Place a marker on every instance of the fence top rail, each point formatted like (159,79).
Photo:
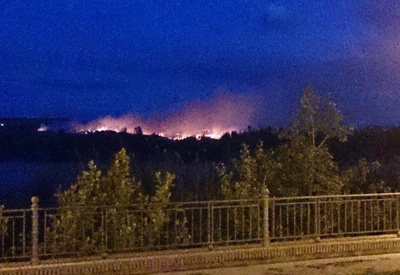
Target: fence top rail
(5,211)
(337,196)
(211,203)
(170,205)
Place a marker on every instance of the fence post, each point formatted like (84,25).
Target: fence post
(397,216)
(35,230)
(266,218)
(317,221)
(210,225)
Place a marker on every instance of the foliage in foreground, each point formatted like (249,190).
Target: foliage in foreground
(103,212)
(302,165)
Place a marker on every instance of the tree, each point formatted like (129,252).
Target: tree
(138,130)
(104,211)
(363,178)
(319,120)
(305,169)
(249,176)
(120,186)
(302,165)
(117,187)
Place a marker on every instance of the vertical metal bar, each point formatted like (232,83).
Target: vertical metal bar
(3,228)
(135,225)
(365,215)
(128,223)
(212,222)
(326,217)
(273,220)
(332,220)
(345,216)
(280,220)
(150,229)
(377,213)
(243,222)
(317,220)
(201,225)
(103,233)
(185,220)
(23,233)
(220,224)
(184,217)
(258,221)
(266,217)
(115,229)
(294,220)
(301,219)
(83,229)
(397,216)
(235,223)
(44,231)
(106,227)
(13,250)
(175,224)
(209,223)
(192,218)
(35,230)
(372,216)
(308,217)
(64,242)
(227,224)
(390,213)
(250,223)
(339,206)
(74,234)
(167,214)
(384,214)
(54,239)
(142,227)
(358,217)
(352,215)
(161,229)
(316,210)
(287,219)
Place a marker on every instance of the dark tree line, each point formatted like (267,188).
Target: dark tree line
(367,160)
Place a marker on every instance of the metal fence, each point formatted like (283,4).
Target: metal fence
(14,238)
(40,233)
(337,215)
(148,227)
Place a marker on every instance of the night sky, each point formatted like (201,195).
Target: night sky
(83,59)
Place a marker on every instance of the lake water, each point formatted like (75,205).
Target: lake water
(19,181)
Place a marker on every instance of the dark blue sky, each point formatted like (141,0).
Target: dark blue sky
(83,59)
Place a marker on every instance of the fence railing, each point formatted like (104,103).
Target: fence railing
(338,215)
(40,233)
(14,238)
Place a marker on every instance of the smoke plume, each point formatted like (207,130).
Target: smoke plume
(226,112)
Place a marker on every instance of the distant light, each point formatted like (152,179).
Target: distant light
(42,128)
(2,124)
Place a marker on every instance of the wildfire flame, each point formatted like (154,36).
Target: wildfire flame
(225,113)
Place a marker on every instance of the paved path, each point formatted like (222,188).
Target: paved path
(368,265)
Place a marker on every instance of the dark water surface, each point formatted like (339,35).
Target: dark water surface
(19,181)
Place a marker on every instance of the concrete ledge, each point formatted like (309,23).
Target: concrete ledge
(196,259)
